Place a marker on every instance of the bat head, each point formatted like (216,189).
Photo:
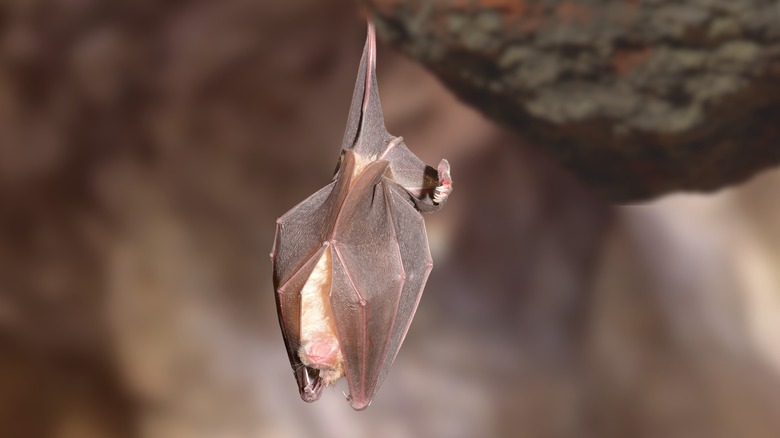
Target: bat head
(310,385)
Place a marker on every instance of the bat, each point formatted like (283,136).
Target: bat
(351,261)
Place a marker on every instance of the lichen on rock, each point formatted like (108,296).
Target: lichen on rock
(636,98)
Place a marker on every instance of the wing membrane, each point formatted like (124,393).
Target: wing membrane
(368,279)
(298,245)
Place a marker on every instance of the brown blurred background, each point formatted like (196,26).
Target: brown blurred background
(146,149)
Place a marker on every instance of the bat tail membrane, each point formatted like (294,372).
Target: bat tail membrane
(366,133)
(367,136)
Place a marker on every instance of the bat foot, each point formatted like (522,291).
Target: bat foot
(443,190)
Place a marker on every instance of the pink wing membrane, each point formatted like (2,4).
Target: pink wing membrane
(368,279)
(298,245)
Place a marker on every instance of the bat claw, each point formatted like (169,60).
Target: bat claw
(443,190)
(357,405)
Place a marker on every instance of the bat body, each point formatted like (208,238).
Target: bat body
(351,261)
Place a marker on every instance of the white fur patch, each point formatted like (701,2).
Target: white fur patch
(360,164)
(317,326)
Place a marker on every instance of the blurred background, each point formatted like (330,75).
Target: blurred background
(146,149)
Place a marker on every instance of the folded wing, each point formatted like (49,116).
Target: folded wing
(380,264)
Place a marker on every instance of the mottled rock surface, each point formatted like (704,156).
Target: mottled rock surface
(638,98)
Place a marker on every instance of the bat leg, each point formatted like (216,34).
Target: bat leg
(443,190)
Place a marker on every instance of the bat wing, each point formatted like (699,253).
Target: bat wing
(380,265)
(419,180)
(367,136)
(300,239)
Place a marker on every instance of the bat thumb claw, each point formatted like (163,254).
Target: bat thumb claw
(444,168)
(443,190)
(351,402)
(357,405)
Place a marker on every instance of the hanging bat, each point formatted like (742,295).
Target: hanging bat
(350,262)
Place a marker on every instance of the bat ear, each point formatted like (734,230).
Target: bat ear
(309,383)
